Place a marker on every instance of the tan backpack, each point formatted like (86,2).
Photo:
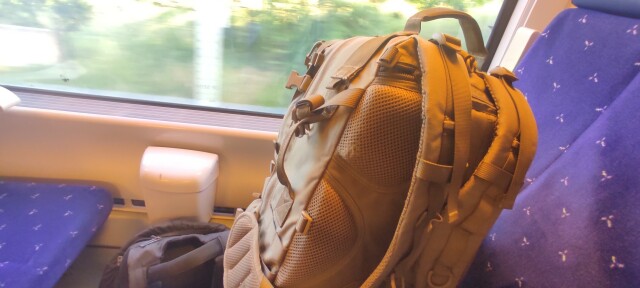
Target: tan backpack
(395,158)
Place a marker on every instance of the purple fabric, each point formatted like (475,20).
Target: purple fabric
(573,72)
(574,224)
(44,227)
(627,8)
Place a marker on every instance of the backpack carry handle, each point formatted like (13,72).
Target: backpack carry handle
(470,28)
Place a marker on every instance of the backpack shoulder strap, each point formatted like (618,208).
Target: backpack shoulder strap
(450,246)
(446,106)
(526,140)
(441,248)
(494,186)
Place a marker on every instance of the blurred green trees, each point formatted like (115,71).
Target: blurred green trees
(153,52)
(62,16)
(65,15)
(275,40)
(457,4)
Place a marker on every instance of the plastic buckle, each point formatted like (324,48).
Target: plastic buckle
(315,62)
(304,107)
(317,59)
(302,110)
(338,84)
(308,61)
(300,82)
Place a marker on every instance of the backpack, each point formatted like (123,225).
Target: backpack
(172,254)
(394,159)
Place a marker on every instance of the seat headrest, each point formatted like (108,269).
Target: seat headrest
(627,8)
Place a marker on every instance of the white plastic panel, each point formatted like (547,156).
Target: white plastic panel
(533,14)
(172,170)
(7,99)
(63,145)
(520,44)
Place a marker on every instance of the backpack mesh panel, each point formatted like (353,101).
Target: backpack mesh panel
(331,236)
(381,139)
(238,258)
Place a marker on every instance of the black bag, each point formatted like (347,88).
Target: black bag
(173,254)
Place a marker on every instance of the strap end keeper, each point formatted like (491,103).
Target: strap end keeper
(453,216)
(337,84)
(452,206)
(304,223)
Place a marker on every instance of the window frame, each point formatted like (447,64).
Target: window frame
(497,33)
(146,109)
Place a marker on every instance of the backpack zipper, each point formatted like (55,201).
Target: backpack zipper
(153,239)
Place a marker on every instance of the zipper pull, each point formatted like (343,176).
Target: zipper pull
(153,239)
(448,41)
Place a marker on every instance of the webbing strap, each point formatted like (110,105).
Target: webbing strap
(348,98)
(353,65)
(509,128)
(315,57)
(433,172)
(460,90)
(360,58)
(470,28)
(494,174)
(282,175)
(528,144)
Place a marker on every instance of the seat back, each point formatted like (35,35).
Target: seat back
(574,224)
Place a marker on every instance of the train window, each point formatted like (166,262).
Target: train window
(225,53)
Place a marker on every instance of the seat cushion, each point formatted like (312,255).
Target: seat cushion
(576,224)
(573,72)
(627,8)
(573,225)
(44,227)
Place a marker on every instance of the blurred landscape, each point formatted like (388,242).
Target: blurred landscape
(206,52)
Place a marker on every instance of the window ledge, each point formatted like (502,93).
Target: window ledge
(152,111)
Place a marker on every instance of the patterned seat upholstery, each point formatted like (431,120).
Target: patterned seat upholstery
(44,227)
(574,224)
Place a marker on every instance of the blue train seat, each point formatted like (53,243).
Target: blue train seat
(574,224)
(44,227)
